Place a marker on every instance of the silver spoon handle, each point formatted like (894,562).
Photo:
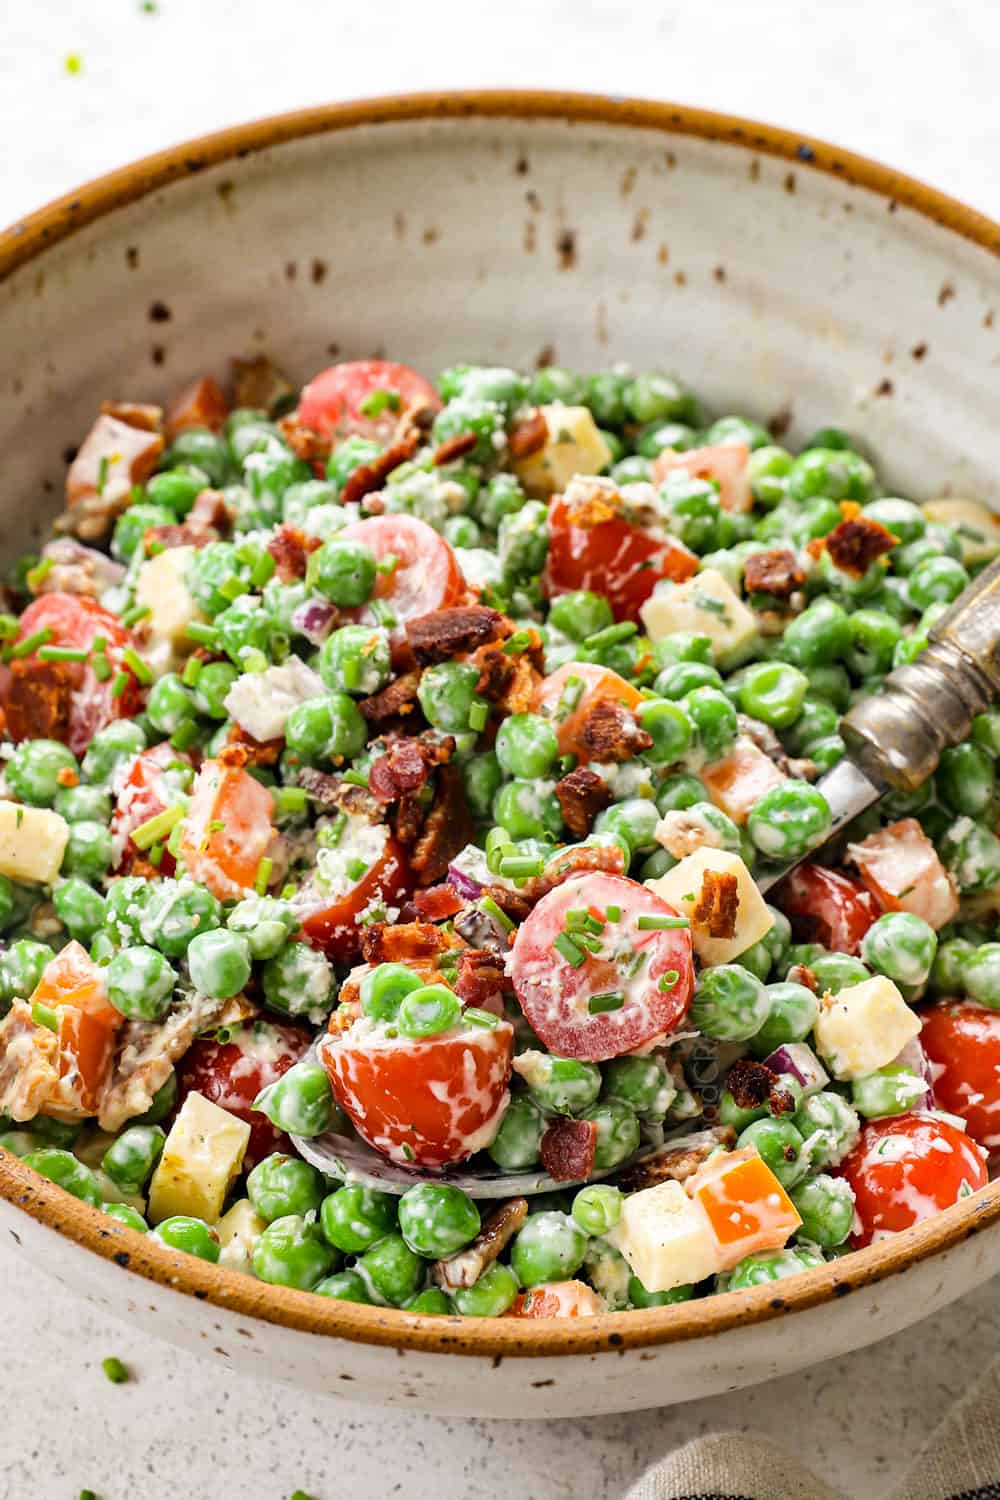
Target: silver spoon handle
(897,736)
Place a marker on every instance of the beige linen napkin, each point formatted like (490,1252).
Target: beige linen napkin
(960,1462)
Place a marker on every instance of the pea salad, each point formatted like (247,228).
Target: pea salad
(396,758)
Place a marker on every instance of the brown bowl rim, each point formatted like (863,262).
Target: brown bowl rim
(492,1338)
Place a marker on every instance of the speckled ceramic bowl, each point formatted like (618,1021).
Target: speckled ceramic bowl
(781,276)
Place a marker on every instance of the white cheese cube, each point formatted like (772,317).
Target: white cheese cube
(32,842)
(864,1027)
(260,702)
(201,1156)
(238,1231)
(666,1238)
(707,605)
(681,887)
(574,446)
(978,528)
(162,589)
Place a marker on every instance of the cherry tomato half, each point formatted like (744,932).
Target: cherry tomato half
(333,925)
(143,795)
(425,576)
(826,907)
(76,989)
(227,831)
(331,403)
(962,1040)
(907,1168)
(613,558)
(233,1073)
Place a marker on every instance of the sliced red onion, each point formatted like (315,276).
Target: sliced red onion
(915,1058)
(314,619)
(462,884)
(801,1063)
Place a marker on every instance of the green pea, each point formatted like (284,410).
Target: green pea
(936,579)
(266,924)
(131,1158)
(554,385)
(436,1219)
(54,1132)
(597,1208)
(965,779)
(634,821)
(826,1207)
(178,911)
(638,1296)
(214,683)
(670,729)
(356,659)
(527,746)
(346,1286)
(481,778)
(431,1302)
(21,968)
(298,981)
(472,413)
(347,456)
(199,446)
(291,1251)
(354,1218)
(655,437)
(605,395)
(714,720)
(651,398)
(693,512)
(177,489)
(344,571)
(781,1147)
(738,1116)
(972,855)
(828,1126)
(816,721)
(820,635)
(678,792)
(489,1297)
(127,1215)
(447,693)
(120,741)
(837,474)
(768,471)
(792,1013)
(948,970)
(527,809)
(88,851)
(501,496)
(874,638)
(523,541)
(34,770)
(141,983)
(774,692)
(62,1168)
(392,1269)
(517,1143)
(789,820)
(642,1083)
(549,1247)
(561,1085)
(729,1003)
(83,804)
(617,1132)
(981,975)
(299,499)
(219,962)
(837,971)
(581,614)
(427,1011)
(678,679)
(905,520)
(79,908)
(162,1102)
(169,704)
(901,946)
(891,1090)
(132,525)
(281,1185)
(771,1265)
(300,1101)
(326,728)
(738,430)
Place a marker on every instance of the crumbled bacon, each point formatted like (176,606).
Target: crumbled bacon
(405,766)
(39,700)
(434,904)
(382,943)
(465,1267)
(241,749)
(454,447)
(291,547)
(120,450)
(610,733)
(717,904)
(855,544)
(678,1160)
(147,1051)
(446,830)
(753,1084)
(306,444)
(368,477)
(347,1012)
(802,974)
(145,416)
(333,792)
(510,682)
(208,520)
(446,633)
(776,572)
(200,404)
(764,737)
(481,980)
(260,384)
(568,1148)
(528,436)
(394,701)
(29,1064)
(581,795)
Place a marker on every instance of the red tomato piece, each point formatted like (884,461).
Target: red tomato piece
(613,558)
(66,700)
(423,1103)
(76,989)
(962,1040)
(233,1073)
(333,925)
(900,866)
(907,1168)
(143,795)
(566,1002)
(331,403)
(557,1299)
(826,907)
(426,575)
(598,682)
(227,831)
(726,463)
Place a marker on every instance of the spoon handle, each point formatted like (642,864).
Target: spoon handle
(896,737)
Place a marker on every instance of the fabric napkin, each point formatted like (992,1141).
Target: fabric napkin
(960,1462)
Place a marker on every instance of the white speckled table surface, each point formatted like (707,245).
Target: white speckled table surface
(910,81)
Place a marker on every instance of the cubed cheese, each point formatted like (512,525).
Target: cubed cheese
(863,1027)
(238,1231)
(260,702)
(707,605)
(162,589)
(201,1156)
(574,446)
(681,887)
(32,842)
(978,528)
(744,1205)
(665,1237)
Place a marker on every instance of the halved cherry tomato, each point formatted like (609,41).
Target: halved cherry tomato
(333,926)
(900,866)
(426,575)
(613,558)
(907,1168)
(66,700)
(233,1073)
(143,795)
(227,831)
(562,698)
(826,907)
(595,1005)
(423,1103)
(557,1299)
(962,1040)
(76,989)
(331,403)
(726,463)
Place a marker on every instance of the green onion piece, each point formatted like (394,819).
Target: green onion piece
(350,669)
(290,799)
(661,924)
(216,825)
(577,917)
(120,684)
(263,875)
(569,697)
(99,643)
(31,643)
(599,1005)
(262,571)
(334,830)
(478,714)
(37,575)
(381,399)
(192,671)
(115,1370)
(481,1017)
(61,653)
(9,628)
(175,839)
(520,866)
(356,778)
(155,855)
(356,868)
(613,913)
(573,955)
(611,635)
(102,472)
(101,666)
(383,614)
(585,940)
(135,614)
(491,909)
(668,980)
(185,737)
(232,588)
(205,635)
(288,890)
(387,564)
(135,663)
(157,827)
(44,1015)
(516,643)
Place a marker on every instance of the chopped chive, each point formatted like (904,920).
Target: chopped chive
(520,866)
(120,684)
(135,614)
(88,1495)
(350,670)
(99,643)
(102,473)
(481,1017)
(253,660)
(61,653)
(115,1370)
(491,909)
(205,635)
(613,913)
(135,663)
(153,549)
(9,628)
(288,890)
(216,825)
(31,643)
(155,855)
(387,564)
(44,1015)
(185,737)
(381,399)
(661,924)
(516,643)
(356,868)
(334,830)
(232,588)
(578,917)
(356,778)
(37,575)
(599,1005)
(175,839)
(383,614)
(635,963)
(611,635)
(569,697)
(573,955)
(262,571)
(408,1152)
(192,671)
(101,666)
(668,980)
(478,714)
(585,940)
(263,875)
(157,827)
(290,799)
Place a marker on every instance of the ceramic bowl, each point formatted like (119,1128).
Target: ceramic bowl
(781,276)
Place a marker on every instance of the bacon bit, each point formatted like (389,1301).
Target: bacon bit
(291,548)
(481,979)
(578,859)
(568,1148)
(753,1084)
(849,509)
(241,749)
(382,943)
(259,383)
(344,1017)
(406,765)
(38,700)
(466,1266)
(510,682)
(394,701)
(368,477)
(513,904)
(115,455)
(454,447)
(306,444)
(677,1161)
(200,404)
(447,633)
(776,572)
(581,795)
(764,737)
(67,777)
(447,828)
(333,792)
(855,544)
(146,417)
(408,818)
(802,974)
(208,520)
(528,436)
(717,904)
(436,904)
(610,733)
